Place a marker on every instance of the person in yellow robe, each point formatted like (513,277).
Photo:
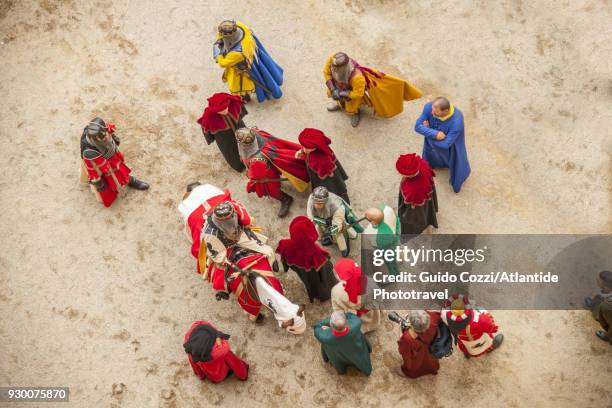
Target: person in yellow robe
(351,85)
(247,66)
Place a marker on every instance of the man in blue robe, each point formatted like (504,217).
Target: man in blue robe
(444,146)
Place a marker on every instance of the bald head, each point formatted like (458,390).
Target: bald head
(374,215)
(440,106)
(338,321)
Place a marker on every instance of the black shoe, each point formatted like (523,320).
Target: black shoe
(286,202)
(588,302)
(602,335)
(275,266)
(467,356)
(259,319)
(246,97)
(355,118)
(326,242)
(137,184)
(347,251)
(498,340)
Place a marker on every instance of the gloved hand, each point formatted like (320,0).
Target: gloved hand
(344,94)
(217,48)
(336,94)
(221,295)
(252,235)
(333,229)
(100,185)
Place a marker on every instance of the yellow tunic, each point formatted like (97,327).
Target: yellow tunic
(238,80)
(386,95)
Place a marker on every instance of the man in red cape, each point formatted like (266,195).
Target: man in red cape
(417,201)
(210,355)
(104,164)
(311,262)
(270,160)
(324,169)
(415,341)
(223,115)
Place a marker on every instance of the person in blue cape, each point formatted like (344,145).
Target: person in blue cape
(444,146)
(247,66)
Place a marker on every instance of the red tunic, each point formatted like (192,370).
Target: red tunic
(223,361)
(247,302)
(113,171)
(260,170)
(418,360)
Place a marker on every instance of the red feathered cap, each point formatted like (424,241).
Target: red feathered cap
(351,274)
(314,139)
(408,164)
(322,160)
(221,101)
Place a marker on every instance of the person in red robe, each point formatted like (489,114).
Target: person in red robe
(324,169)
(104,164)
(210,355)
(417,201)
(415,341)
(270,160)
(219,121)
(311,262)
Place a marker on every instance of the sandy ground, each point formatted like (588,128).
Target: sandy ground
(98,299)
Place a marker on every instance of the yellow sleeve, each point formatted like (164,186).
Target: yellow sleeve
(358,85)
(232,58)
(327,69)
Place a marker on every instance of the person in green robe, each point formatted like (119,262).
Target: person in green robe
(383,231)
(342,343)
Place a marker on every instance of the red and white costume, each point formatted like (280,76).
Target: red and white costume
(474,329)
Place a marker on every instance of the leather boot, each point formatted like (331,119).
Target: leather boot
(286,201)
(355,118)
(137,184)
(497,340)
(246,97)
(347,251)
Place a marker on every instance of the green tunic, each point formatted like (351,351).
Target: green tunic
(352,349)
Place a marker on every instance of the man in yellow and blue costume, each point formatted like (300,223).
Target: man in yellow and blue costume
(248,68)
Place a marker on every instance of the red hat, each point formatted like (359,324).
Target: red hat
(322,160)
(220,101)
(408,164)
(348,271)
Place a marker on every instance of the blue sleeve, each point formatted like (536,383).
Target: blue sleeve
(422,129)
(452,135)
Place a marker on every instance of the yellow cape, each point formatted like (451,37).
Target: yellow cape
(389,93)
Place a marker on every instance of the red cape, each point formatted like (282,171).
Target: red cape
(322,160)
(211,121)
(416,189)
(217,369)
(302,249)
(282,154)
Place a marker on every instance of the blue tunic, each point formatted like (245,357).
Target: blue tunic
(449,152)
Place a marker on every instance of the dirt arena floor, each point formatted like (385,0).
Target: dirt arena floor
(98,299)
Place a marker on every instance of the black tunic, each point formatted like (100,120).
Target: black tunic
(415,220)
(318,284)
(226,140)
(334,182)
